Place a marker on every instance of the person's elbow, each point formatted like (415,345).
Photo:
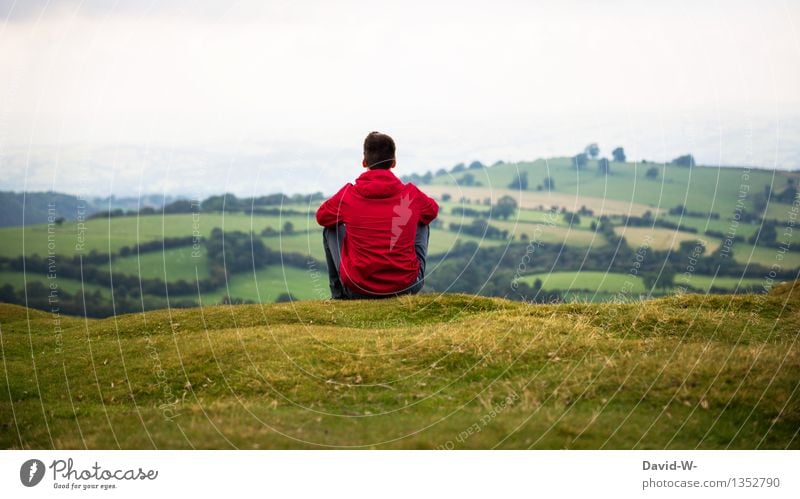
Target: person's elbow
(430,214)
(325,219)
(323,215)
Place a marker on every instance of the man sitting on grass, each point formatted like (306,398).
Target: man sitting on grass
(376,231)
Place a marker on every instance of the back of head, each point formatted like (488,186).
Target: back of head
(379,151)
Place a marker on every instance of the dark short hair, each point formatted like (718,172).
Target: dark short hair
(379,151)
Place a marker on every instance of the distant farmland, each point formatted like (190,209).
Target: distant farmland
(585,228)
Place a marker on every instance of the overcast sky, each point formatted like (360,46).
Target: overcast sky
(299,84)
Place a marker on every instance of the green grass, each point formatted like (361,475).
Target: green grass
(708,372)
(169,265)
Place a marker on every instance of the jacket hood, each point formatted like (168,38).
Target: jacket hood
(378,184)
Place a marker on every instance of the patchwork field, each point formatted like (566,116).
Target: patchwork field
(468,244)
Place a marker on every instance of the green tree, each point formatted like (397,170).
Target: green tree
(549,183)
(662,279)
(768,235)
(505,207)
(467,179)
(476,165)
(227,202)
(592,150)
(688,247)
(618,154)
(519,183)
(685,160)
(288,228)
(285,297)
(603,167)
(579,161)
(651,173)
(572,218)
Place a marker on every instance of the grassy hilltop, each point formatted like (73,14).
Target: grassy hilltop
(430,371)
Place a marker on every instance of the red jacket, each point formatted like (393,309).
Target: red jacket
(380,214)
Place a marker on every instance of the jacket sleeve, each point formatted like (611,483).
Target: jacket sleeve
(328,214)
(429,209)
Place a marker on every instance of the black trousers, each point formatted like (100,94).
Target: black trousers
(332,239)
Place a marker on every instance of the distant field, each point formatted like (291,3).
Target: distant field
(608,284)
(661,238)
(534,200)
(442,241)
(265,285)
(109,235)
(780,212)
(766,256)
(533,215)
(625,191)
(701,189)
(306,243)
(580,238)
(170,265)
(703,224)
(601,282)
(704,282)
(71,286)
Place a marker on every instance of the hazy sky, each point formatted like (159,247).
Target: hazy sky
(301,83)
